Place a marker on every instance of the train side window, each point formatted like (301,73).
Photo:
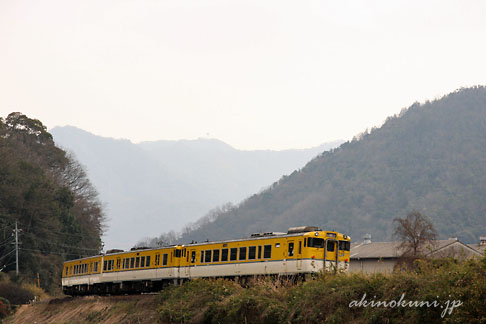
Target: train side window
(112,263)
(233,254)
(118,262)
(259,252)
(202,257)
(300,247)
(207,256)
(291,249)
(96,267)
(187,257)
(164,260)
(330,246)
(193,256)
(215,255)
(267,251)
(105,265)
(224,255)
(66,271)
(315,242)
(305,241)
(147,261)
(243,253)
(157,259)
(137,262)
(85,268)
(252,253)
(132,262)
(142,262)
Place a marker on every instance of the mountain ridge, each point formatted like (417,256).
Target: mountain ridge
(428,158)
(154,187)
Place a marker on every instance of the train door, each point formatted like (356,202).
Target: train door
(299,255)
(289,265)
(331,255)
(192,261)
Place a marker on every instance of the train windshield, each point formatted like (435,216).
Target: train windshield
(315,242)
(344,245)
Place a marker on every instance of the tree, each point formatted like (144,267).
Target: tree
(414,232)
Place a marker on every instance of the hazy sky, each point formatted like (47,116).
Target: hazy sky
(255,74)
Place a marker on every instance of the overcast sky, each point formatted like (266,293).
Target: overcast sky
(255,74)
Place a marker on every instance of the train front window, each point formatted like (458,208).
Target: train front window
(315,242)
(344,245)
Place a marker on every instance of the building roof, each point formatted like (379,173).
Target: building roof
(387,250)
(480,248)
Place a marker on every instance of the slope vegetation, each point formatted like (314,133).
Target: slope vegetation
(430,158)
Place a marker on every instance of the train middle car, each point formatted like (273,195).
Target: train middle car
(301,250)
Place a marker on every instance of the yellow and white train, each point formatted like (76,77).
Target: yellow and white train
(301,250)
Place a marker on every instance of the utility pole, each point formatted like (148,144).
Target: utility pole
(16,249)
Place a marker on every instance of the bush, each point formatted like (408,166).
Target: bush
(327,298)
(4,308)
(15,294)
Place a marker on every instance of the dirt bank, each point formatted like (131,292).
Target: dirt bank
(91,309)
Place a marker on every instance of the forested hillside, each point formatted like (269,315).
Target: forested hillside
(430,158)
(49,196)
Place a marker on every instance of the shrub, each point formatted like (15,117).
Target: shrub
(15,294)
(4,308)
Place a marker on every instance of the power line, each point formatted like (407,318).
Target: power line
(59,244)
(55,253)
(9,253)
(8,241)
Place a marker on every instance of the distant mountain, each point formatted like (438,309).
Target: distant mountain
(154,187)
(430,158)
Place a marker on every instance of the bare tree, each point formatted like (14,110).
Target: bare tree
(414,232)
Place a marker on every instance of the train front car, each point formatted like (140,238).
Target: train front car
(326,251)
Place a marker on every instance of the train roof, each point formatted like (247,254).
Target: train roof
(293,232)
